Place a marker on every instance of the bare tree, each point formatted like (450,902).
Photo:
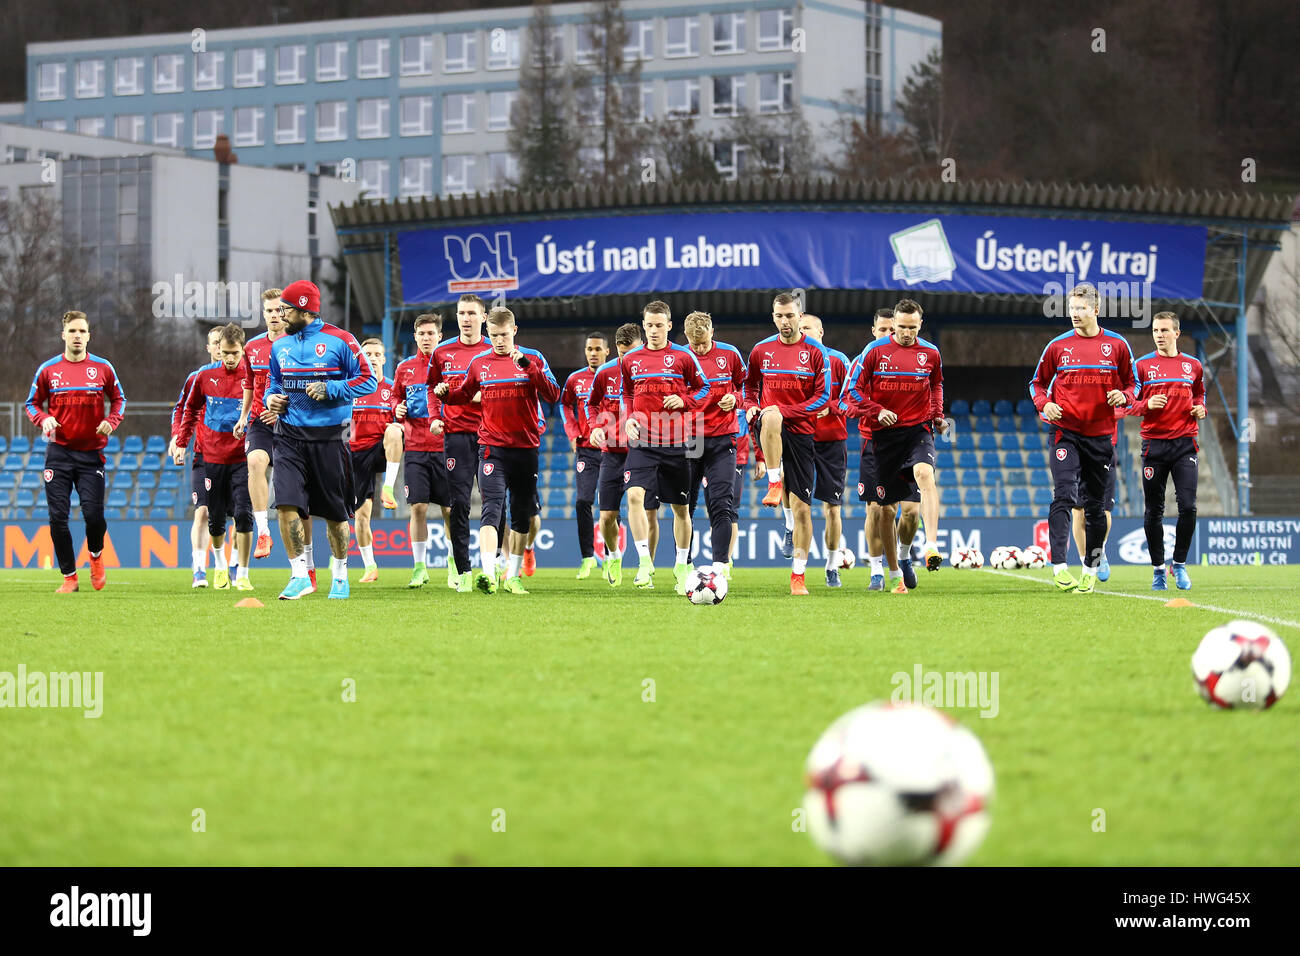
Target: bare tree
(680,152)
(610,91)
(774,145)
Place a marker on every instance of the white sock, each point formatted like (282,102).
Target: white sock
(200,559)
(1158,567)
(390,473)
(262,526)
(516,565)
(877,562)
(789,518)
(831,555)
(368,555)
(1058,568)
(683,555)
(613,554)
(242,572)
(310,554)
(339,568)
(418,548)
(643,548)
(799,565)
(895,574)
(904,551)
(298,566)
(719,567)
(773,476)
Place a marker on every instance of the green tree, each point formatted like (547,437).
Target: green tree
(543,139)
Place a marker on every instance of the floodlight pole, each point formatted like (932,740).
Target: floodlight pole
(1245,431)
(388,295)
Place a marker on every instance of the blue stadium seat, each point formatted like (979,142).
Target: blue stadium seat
(24,499)
(1033,441)
(1019,496)
(4,444)
(959,407)
(1009,441)
(987,442)
(965,442)
(943,459)
(950,497)
(982,423)
(113,514)
(967,459)
(40,443)
(1012,459)
(140,499)
(969,477)
(1042,497)
(1041,478)
(156,445)
(39,513)
(170,479)
(133,514)
(32,481)
(1002,407)
(973,496)
(116,499)
(1022,511)
(123,481)
(8,479)
(147,480)
(1035,459)
(981,407)
(1030,423)
(556,498)
(976,511)
(989,459)
(1004,423)
(992,478)
(134,444)
(1026,407)
(21,444)
(6,499)
(15,461)
(128,462)
(1015,478)
(165,499)
(114,445)
(151,463)
(158,514)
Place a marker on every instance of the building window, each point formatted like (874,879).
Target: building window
(128,75)
(640,40)
(168,128)
(458,174)
(331,61)
(207,127)
(729,33)
(167,72)
(417,115)
(128,213)
(500,103)
(291,123)
(60,125)
(129,127)
(729,158)
(503,171)
(554,48)
(331,121)
(372,118)
(584,49)
(503,49)
(291,64)
(728,95)
(91,125)
(642,95)
(775,29)
(52,81)
(775,92)
(417,177)
(372,58)
(375,179)
(590,103)
(250,126)
(458,112)
(683,97)
(417,57)
(682,36)
(461,53)
(209,71)
(90,79)
(250,67)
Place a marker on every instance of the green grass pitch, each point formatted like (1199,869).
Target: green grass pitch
(517,730)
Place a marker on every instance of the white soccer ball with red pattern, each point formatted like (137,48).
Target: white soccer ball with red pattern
(898,784)
(1035,557)
(1006,558)
(845,560)
(705,586)
(966,558)
(1242,664)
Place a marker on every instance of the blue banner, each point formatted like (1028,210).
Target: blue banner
(1218,542)
(661,254)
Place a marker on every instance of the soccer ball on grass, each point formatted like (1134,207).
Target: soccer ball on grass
(966,558)
(1007,558)
(705,586)
(1035,557)
(1242,664)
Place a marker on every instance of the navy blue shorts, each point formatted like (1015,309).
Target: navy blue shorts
(227,488)
(1079,468)
(613,482)
(259,437)
(366,463)
(587,471)
(831,462)
(315,477)
(1162,457)
(198,489)
(716,470)
(461,458)
(665,471)
(896,450)
(66,468)
(511,471)
(425,477)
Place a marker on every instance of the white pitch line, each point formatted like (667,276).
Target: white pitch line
(1250,615)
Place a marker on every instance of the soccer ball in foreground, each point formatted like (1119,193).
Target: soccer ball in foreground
(705,586)
(897,784)
(1035,557)
(1007,558)
(846,559)
(1242,664)
(966,558)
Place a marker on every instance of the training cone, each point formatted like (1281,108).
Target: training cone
(249,602)
(1179,602)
